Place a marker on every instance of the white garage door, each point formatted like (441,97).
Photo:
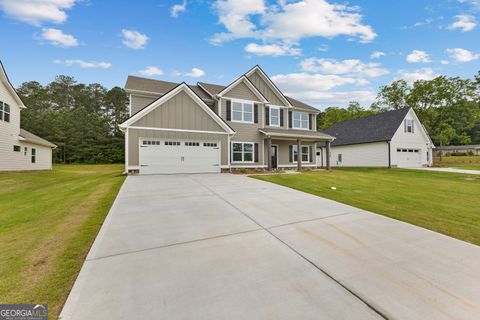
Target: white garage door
(178,156)
(409,158)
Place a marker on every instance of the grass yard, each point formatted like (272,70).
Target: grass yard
(444,202)
(48,221)
(460,162)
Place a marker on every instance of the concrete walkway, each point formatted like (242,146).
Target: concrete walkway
(222,246)
(454,170)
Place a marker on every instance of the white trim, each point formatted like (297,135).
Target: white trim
(243,103)
(278,148)
(294,136)
(126,150)
(270,115)
(424,131)
(293,120)
(270,84)
(13,92)
(205,89)
(244,166)
(133,168)
(301,153)
(248,84)
(182,87)
(243,151)
(294,165)
(176,130)
(130,104)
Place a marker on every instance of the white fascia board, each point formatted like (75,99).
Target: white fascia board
(182,87)
(248,84)
(270,84)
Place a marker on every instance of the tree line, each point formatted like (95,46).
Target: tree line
(448,107)
(81,119)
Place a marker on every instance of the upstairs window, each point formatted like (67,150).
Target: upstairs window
(17,148)
(275,116)
(4,111)
(408,125)
(242,111)
(300,120)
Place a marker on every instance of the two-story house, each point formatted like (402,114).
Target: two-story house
(250,123)
(19,149)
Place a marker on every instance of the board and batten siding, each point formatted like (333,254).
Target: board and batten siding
(179,112)
(135,134)
(374,154)
(265,89)
(415,140)
(245,132)
(138,102)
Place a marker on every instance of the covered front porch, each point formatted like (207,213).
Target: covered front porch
(282,148)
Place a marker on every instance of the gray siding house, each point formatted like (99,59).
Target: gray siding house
(250,123)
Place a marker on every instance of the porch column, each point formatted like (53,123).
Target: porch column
(269,153)
(327,155)
(299,155)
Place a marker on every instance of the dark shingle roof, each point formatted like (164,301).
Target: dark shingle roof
(380,127)
(162,87)
(30,137)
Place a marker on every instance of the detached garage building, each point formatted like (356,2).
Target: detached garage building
(390,139)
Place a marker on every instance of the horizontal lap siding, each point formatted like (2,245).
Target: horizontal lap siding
(361,155)
(245,132)
(137,102)
(179,112)
(135,134)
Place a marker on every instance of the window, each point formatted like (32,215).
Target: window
(25,151)
(305,154)
(172,143)
(242,152)
(192,144)
(339,157)
(209,144)
(4,112)
(34,155)
(300,120)
(408,125)
(275,116)
(17,148)
(242,111)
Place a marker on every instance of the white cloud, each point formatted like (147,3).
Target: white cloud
(334,98)
(462,55)
(134,39)
(274,50)
(58,38)
(178,8)
(418,56)
(351,67)
(377,55)
(301,82)
(289,21)
(151,71)
(195,73)
(37,12)
(474,3)
(444,62)
(418,24)
(84,64)
(464,23)
(419,74)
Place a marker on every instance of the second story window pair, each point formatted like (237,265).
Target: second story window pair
(242,111)
(300,120)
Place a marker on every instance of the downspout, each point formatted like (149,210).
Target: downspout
(389,154)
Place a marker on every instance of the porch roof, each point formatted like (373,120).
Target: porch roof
(295,134)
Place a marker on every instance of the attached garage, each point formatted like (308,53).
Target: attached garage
(178,156)
(409,158)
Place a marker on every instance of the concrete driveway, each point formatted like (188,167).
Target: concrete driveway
(222,246)
(453,170)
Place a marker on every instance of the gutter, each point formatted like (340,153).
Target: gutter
(389,154)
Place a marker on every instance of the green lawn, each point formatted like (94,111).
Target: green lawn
(444,202)
(48,221)
(460,162)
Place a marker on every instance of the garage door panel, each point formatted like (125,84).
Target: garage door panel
(409,158)
(162,156)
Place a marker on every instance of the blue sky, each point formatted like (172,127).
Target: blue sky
(324,52)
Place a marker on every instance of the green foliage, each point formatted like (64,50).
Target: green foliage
(333,115)
(449,108)
(82,120)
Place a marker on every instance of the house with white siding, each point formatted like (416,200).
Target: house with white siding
(19,149)
(391,139)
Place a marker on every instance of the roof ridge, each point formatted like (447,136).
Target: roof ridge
(372,116)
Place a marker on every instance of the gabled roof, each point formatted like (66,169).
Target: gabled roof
(30,137)
(269,83)
(158,102)
(8,84)
(379,127)
(248,83)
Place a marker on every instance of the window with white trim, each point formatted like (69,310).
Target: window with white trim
(242,151)
(34,155)
(305,154)
(408,125)
(4,111)
(275,116)
(300,120)
(242,111)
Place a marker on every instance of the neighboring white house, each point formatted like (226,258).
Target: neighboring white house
(19,149)
(390,139)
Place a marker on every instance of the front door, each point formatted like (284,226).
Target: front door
(274,157)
